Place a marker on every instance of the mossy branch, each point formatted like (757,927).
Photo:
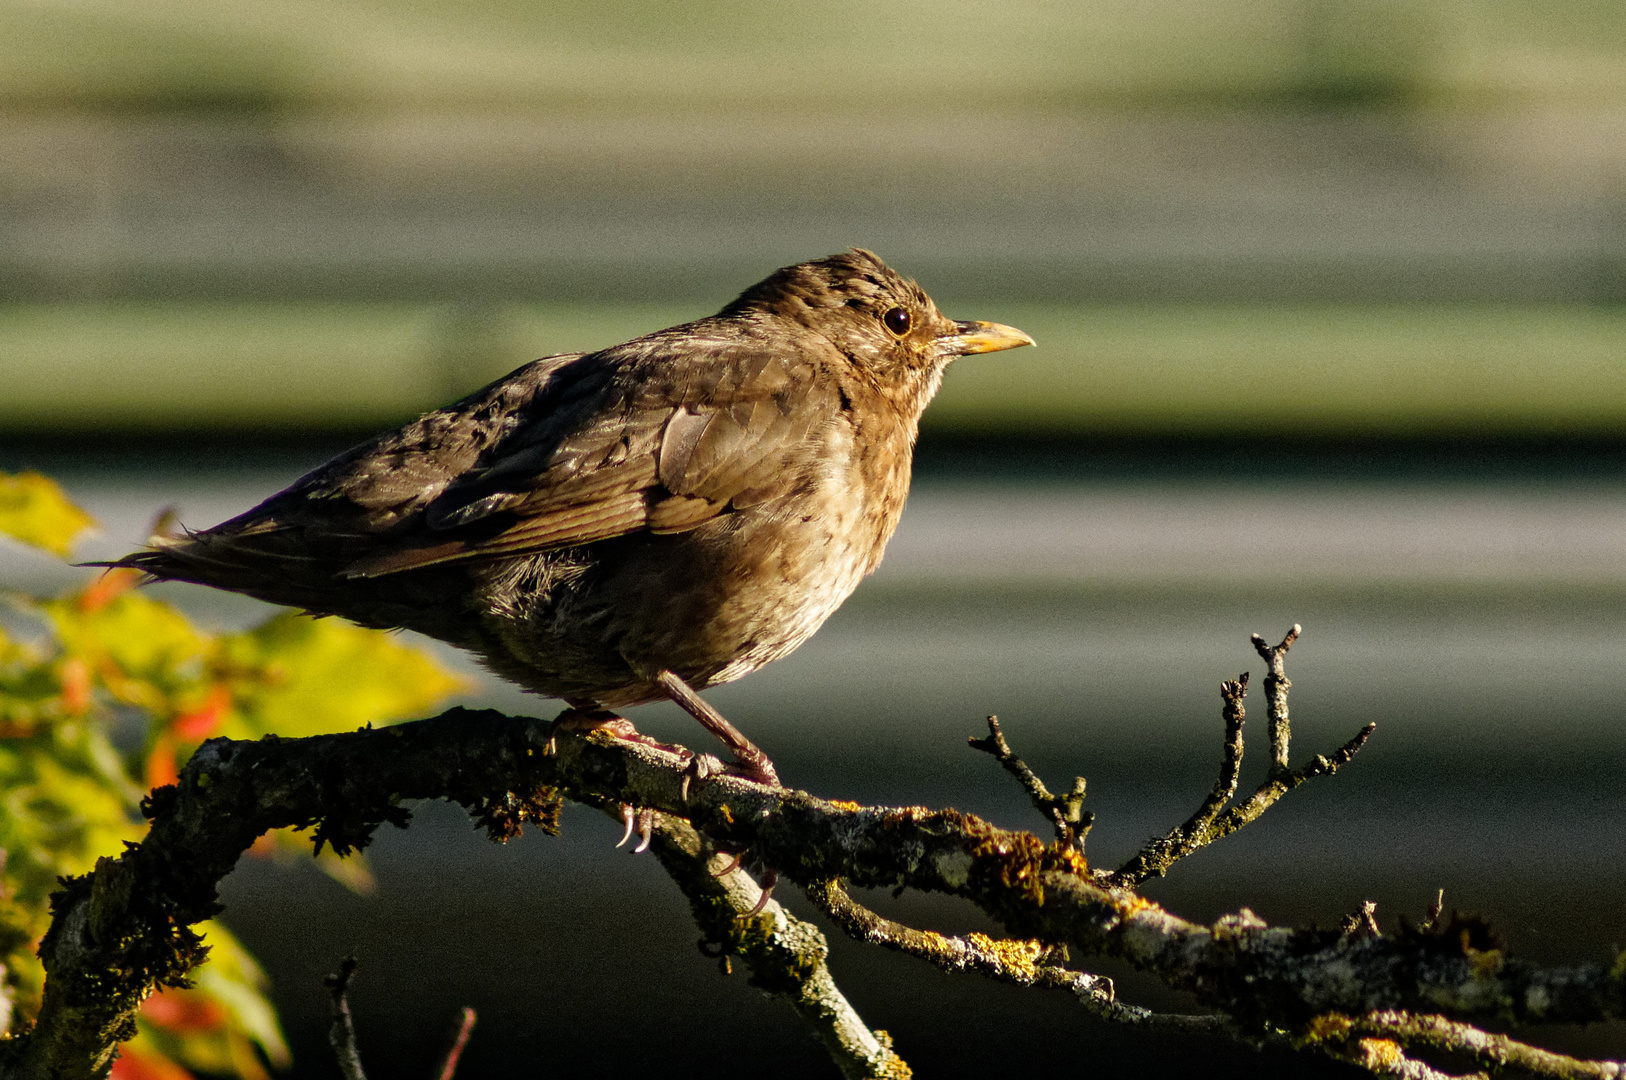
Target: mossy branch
(127,927)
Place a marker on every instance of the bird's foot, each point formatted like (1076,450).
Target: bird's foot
(750,762)
(637,818)
(585,720)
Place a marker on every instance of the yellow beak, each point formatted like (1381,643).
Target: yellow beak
(981,337)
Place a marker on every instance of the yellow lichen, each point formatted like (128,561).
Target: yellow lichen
(843,804)
(1380,1054)
(1018,956)
(1066,859)
(1327,1026)
(937,946)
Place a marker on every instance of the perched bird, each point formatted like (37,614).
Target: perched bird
(633,524)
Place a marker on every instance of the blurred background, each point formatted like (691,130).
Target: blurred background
(1331,304)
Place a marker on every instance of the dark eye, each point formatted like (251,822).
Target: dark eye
(897,320)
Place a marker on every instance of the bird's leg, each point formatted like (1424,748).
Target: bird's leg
(754,764)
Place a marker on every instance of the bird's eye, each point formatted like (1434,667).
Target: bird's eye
(896,320)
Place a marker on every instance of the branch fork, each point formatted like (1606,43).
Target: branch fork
(1368,998)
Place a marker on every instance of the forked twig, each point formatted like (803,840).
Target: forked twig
(1276,687)
(1213,821)
(1011,960)
(1066,812)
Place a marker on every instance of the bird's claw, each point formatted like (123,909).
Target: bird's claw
(643,820)
(627,813)
(769,880)
(733,865)
(700,767)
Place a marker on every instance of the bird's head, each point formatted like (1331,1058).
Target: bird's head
(881,321)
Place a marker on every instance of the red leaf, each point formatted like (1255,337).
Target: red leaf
(98,593)
(201,722)
(161,767)
(183,1011)
(146,1065)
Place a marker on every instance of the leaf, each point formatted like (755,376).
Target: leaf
(63,803)
(146,639)
(213,1026)
(34,509)
(235,980)
(323,675)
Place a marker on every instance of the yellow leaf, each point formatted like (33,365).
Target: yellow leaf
(323,675)
(146,638)
(33,509)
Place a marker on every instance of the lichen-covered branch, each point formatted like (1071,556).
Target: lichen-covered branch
(1487,1049)
(1065,812)
(1022,962)
(1276,687)
(1199,830)
(128,926)
(786,955)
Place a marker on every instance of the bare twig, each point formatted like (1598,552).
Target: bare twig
(786,955)
(1162,852)
(1276,687)
(341,1033)
(1363,922)
(1022,962)
(460,1040)
(1210,823)
(1365,1036)
(1065,812)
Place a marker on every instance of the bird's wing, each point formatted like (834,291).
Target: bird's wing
(667,443)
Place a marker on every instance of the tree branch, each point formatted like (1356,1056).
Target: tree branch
(125,928)
(341,1033)
(786,955)
(1276,687)
(1212,821)
(1199,830)
(1494,1052)
(1065,812)
(1024,963)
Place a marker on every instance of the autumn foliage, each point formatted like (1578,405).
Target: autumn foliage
(105,691)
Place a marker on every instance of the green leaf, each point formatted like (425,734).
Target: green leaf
(33,509)
(323,675)
(234,979)
(147,639)
(62,804)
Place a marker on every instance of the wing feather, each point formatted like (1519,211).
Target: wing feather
(627,457)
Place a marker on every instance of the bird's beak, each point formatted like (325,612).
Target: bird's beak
(979,337)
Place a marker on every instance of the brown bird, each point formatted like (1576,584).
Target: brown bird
(638,523)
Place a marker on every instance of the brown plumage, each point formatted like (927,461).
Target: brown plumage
(692,503)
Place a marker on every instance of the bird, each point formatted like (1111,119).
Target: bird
(629,525)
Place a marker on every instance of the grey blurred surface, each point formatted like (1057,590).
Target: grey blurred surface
(990,202)
(1477,620)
